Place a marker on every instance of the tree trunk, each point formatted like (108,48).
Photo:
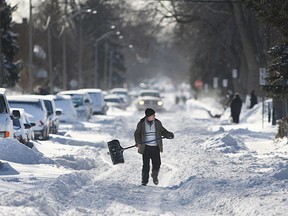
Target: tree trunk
(249,50)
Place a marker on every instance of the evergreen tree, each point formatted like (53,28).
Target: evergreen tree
(9,47)
(275,14)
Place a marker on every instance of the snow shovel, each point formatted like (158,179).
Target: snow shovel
(116,150)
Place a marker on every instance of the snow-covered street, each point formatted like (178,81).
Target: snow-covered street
(211,167)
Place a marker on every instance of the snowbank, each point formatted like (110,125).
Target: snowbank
(14,151)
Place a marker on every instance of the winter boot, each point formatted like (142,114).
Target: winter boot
(145,178)
(154,176)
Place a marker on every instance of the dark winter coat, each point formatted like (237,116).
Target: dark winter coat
(253,100)
(139,134)
(236,105)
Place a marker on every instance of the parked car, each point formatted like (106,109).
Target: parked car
(37,111)
(53,114)
(113,100)
(82,102)
(23,128)
(65,104)
(123,93)
(6,124)
(149,98)
(99,105)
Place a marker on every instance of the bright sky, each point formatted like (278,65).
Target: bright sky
(22,10)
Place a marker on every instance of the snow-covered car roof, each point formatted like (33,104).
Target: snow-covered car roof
(91,90)
(111,96)
(24,98)
(62,97)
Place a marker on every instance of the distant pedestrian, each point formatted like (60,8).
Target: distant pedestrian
(253,99)
(148,138)
(236,105)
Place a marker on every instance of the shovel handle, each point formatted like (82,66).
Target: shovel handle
(142,143)
(128,147)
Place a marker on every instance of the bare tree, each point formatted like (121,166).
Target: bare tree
(219,37)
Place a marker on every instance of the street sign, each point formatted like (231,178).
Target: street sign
(234,73)
(225,83)
(262,76)
(215,82)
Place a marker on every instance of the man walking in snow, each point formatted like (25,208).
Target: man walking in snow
(236,106)
(148,138)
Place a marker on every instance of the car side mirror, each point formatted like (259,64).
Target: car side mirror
(16,114)
(27,126)
(32,124)
(58,112)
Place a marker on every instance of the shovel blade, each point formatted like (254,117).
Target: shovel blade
(116,151)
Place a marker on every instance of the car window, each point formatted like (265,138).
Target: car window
(3,106)
(114,100)
(48,106)
(16,123)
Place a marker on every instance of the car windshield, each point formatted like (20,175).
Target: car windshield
(151,94)
(77,100)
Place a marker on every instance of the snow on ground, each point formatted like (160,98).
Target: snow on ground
(211,167)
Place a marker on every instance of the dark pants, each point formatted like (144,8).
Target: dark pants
(235,117)
(153,153)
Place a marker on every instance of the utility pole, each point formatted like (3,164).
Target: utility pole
(110,71)
(64,69)
(80,74)
(1,56)
(51,75)
(96,65)
(105,75)
(31,77)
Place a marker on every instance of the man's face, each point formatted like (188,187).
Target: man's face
(151,118)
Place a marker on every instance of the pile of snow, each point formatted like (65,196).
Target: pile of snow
(14,151)
(281,172)
(225,143)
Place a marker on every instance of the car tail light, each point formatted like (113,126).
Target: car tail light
(6,134)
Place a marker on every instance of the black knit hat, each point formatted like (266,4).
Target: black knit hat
(149,112)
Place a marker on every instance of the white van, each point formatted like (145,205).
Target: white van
(6,123)
(98,103)
(82,103)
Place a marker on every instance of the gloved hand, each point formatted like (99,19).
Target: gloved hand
(169,135)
